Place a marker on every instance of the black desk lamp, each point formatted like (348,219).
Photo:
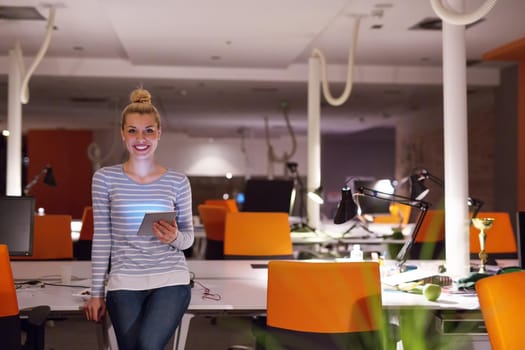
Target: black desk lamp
(317,195)
(347,210)
(49,179)
(419,190)
(423,206)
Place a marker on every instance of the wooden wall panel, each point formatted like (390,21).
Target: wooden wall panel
(66,152)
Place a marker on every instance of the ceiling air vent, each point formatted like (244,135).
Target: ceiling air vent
(89,99)
(20,13)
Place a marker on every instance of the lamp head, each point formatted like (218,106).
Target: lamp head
(418,189)
(347,209)
(49,179)
(292,166)
(475,204)
(317,195)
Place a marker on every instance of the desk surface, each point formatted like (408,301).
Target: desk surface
(81,270)
(242,288)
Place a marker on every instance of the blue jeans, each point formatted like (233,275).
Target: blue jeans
(145,320)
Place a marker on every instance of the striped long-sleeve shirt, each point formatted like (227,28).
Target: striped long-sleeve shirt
(138,262)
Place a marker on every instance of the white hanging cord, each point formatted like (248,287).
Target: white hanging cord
(242,132)
(272,157)
(324,76)
(24,91)
(453,17)
(19,58)
(94,152)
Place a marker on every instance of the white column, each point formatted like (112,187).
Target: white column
(14,125)
(313,179)
(456,148)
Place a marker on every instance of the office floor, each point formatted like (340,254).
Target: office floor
(205,333)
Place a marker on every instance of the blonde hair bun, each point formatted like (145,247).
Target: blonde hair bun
(140,96)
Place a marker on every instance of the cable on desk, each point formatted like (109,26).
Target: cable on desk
(29,284)
(64,285)
(207,293)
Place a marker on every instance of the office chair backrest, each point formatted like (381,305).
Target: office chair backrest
(257,235)
(433,227)
(502,304)
(500,238)
(52,238)
(399,213)
(86,231)
(213,218)
(229,204)
(324,297)
(9,304)
(9,314)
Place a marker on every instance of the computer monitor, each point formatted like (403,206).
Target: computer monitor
(268,195)
(370,205)
(16,224)
(520,240)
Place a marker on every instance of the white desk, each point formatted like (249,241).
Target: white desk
(241,287)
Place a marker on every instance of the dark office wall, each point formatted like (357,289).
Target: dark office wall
(421,146)
(369,153)
(506,170)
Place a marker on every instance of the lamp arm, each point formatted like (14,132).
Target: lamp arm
(402,255)
(421,205)
(424,174)
(434,179)
(324,76)
(35,180)
(299,182)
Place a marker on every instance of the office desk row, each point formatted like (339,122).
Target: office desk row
(336,240)
(240,284)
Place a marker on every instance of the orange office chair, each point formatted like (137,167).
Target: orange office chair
(257,235)
(430,240)
(52,238)
(501,302)
(399,214)
(213,219)
(229,204)
(82,247)
(11,326)
(501,241)
(323,305)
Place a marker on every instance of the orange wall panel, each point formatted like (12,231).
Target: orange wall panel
(66,152)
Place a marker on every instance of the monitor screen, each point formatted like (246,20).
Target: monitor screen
(268,195)
(371,205)
(16,224)
(520,239)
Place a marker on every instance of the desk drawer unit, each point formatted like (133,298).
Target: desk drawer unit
(460,322)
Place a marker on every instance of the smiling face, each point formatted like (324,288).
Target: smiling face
(141,134)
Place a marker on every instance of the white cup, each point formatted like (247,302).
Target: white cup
(65,274)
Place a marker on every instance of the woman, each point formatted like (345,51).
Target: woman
(148,287)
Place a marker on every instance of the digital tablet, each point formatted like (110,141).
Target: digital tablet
(146,227)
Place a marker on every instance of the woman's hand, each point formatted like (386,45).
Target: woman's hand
(95,309)
(165,231)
